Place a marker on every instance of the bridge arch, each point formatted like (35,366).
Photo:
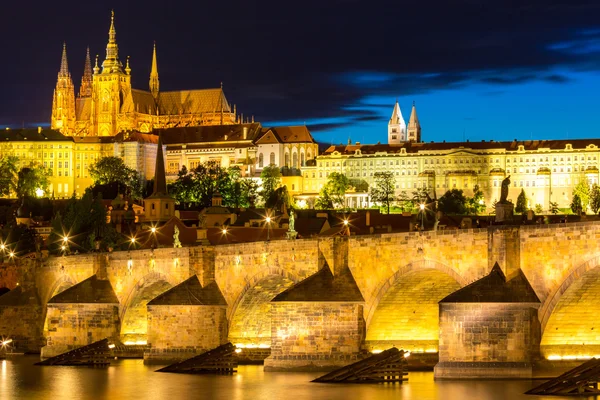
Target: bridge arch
(62,283)
(569,317)
(250,317)
(134,313)
(405,312)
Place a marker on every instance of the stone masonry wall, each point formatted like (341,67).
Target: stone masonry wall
(70,326)
(476,338)
(8,275)
(22,324)
(199,329)
(314,335)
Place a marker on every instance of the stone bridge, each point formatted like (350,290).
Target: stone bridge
(314,301)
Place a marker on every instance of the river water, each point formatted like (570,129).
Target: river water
(131,379)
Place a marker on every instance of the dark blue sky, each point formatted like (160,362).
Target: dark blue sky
(476,69)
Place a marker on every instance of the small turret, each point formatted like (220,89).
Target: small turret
(154,82)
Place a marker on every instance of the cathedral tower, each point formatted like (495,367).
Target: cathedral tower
(110,87)
(154,83)
(414,127)
(396,126)
(63,103)
(85,90)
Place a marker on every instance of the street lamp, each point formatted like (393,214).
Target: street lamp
(224,231)
(268,221)
(422,207)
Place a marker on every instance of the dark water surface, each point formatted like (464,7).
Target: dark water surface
(131,379)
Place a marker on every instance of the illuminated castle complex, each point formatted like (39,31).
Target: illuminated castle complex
(107,104)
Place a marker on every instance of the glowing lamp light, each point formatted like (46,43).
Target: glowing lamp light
(63,247)
(481,201)
(224,231)
(422,206)
(268,220)
(2,246)
(346,222)
(153,229)
(6,342)
(39,192)
(11,254)
(65,239)
(238,350)
(376,351)
(111,346)
(132,240)
(406,354)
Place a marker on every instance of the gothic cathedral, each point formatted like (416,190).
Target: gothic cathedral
(107,104)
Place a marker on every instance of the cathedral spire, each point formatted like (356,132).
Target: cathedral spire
(64,65)
(154,83)
(85,90)
(414,126)
(112,63)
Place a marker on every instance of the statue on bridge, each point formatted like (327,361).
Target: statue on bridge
(504,208)
(504,190)
(176,242)
(291,233)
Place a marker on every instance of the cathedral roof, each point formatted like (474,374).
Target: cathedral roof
(192,102)
(286,134)
(142,102)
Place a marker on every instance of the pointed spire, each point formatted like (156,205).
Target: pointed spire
(414,119)
(64,65)
(112,63)
(160,181)
(396,115)
(96,68)
(396,126)
(85,90)
(154,82)
(127,68)
(414,126)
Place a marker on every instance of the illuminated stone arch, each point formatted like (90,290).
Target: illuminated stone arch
(405,312)
(569,316)
(61,284)
(134,313)
(249,317)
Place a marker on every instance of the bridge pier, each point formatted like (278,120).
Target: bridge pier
(199,315)
(317,324)
(81,315)
(489,329)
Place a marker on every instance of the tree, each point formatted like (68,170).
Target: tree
(113,170)
(453,202)
(404,202)
(31,179)
(271,179)
(576,205)
(84,222)
(207,178)
(582,189)
(476,204)
(554,207)
(333,193)
(359,185)
(385,189)
(595,198)
(8,174)
(539,209)
(521,206)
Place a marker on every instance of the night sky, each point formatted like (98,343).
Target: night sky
(476,70)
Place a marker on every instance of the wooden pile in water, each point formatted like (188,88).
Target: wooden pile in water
(579,381)
(386,367)
(221,360)
(97,354)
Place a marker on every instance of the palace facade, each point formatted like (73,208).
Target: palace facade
(548,170)
(107,104)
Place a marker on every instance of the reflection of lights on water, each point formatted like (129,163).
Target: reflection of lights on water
(555,357)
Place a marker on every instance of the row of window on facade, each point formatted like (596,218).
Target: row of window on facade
(294,164)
